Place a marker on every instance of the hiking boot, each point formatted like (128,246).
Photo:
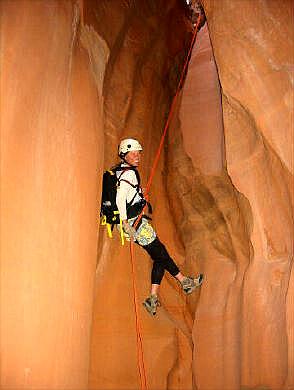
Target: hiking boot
(151,304)
(189,284)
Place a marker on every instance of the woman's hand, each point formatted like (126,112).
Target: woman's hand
(129,230)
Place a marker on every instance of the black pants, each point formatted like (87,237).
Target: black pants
(161,261)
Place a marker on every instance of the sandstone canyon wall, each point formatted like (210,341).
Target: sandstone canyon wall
(140,79)
(257,97)
(240,212)
(76,77)
(51,148)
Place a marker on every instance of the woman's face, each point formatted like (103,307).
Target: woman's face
(133,158)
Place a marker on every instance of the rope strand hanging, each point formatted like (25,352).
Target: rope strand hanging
(140,353)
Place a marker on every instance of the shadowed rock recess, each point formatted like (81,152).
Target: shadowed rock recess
(76,77)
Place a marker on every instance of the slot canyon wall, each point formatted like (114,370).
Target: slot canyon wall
(239,204)
(76,77)
(51,146)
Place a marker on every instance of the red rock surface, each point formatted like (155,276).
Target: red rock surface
(257,86)
(239,222)
(139,81)
(79,76)
(51,146)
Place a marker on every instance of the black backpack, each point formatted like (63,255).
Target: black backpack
(111,180)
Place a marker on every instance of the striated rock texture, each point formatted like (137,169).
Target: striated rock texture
(237,218)
(77,76)
(257,86)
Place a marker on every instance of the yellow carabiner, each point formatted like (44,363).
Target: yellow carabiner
(103,220)
(108,226)
(109,230)
(122,237)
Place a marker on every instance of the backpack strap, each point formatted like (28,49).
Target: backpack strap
(120,168)
(127,181)
(136,186)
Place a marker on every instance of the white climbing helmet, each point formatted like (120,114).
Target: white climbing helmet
(128,145)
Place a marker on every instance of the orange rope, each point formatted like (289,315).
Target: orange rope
(140,354)
(155,163)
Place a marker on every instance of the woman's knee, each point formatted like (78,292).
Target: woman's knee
(157,250)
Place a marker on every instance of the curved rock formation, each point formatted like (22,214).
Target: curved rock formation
(141,76)
(257,97)
(76,77)
(241,216)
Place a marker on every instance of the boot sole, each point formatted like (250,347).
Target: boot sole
(149,309)
(197,282)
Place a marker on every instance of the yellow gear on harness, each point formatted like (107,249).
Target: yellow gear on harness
(108,227)
(122,236)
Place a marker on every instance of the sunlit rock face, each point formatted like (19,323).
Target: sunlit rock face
(51,146)
(77,76)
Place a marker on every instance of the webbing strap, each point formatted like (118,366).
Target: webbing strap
(140,353)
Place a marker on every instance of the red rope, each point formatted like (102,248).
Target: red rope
(173,105)
(140,354)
